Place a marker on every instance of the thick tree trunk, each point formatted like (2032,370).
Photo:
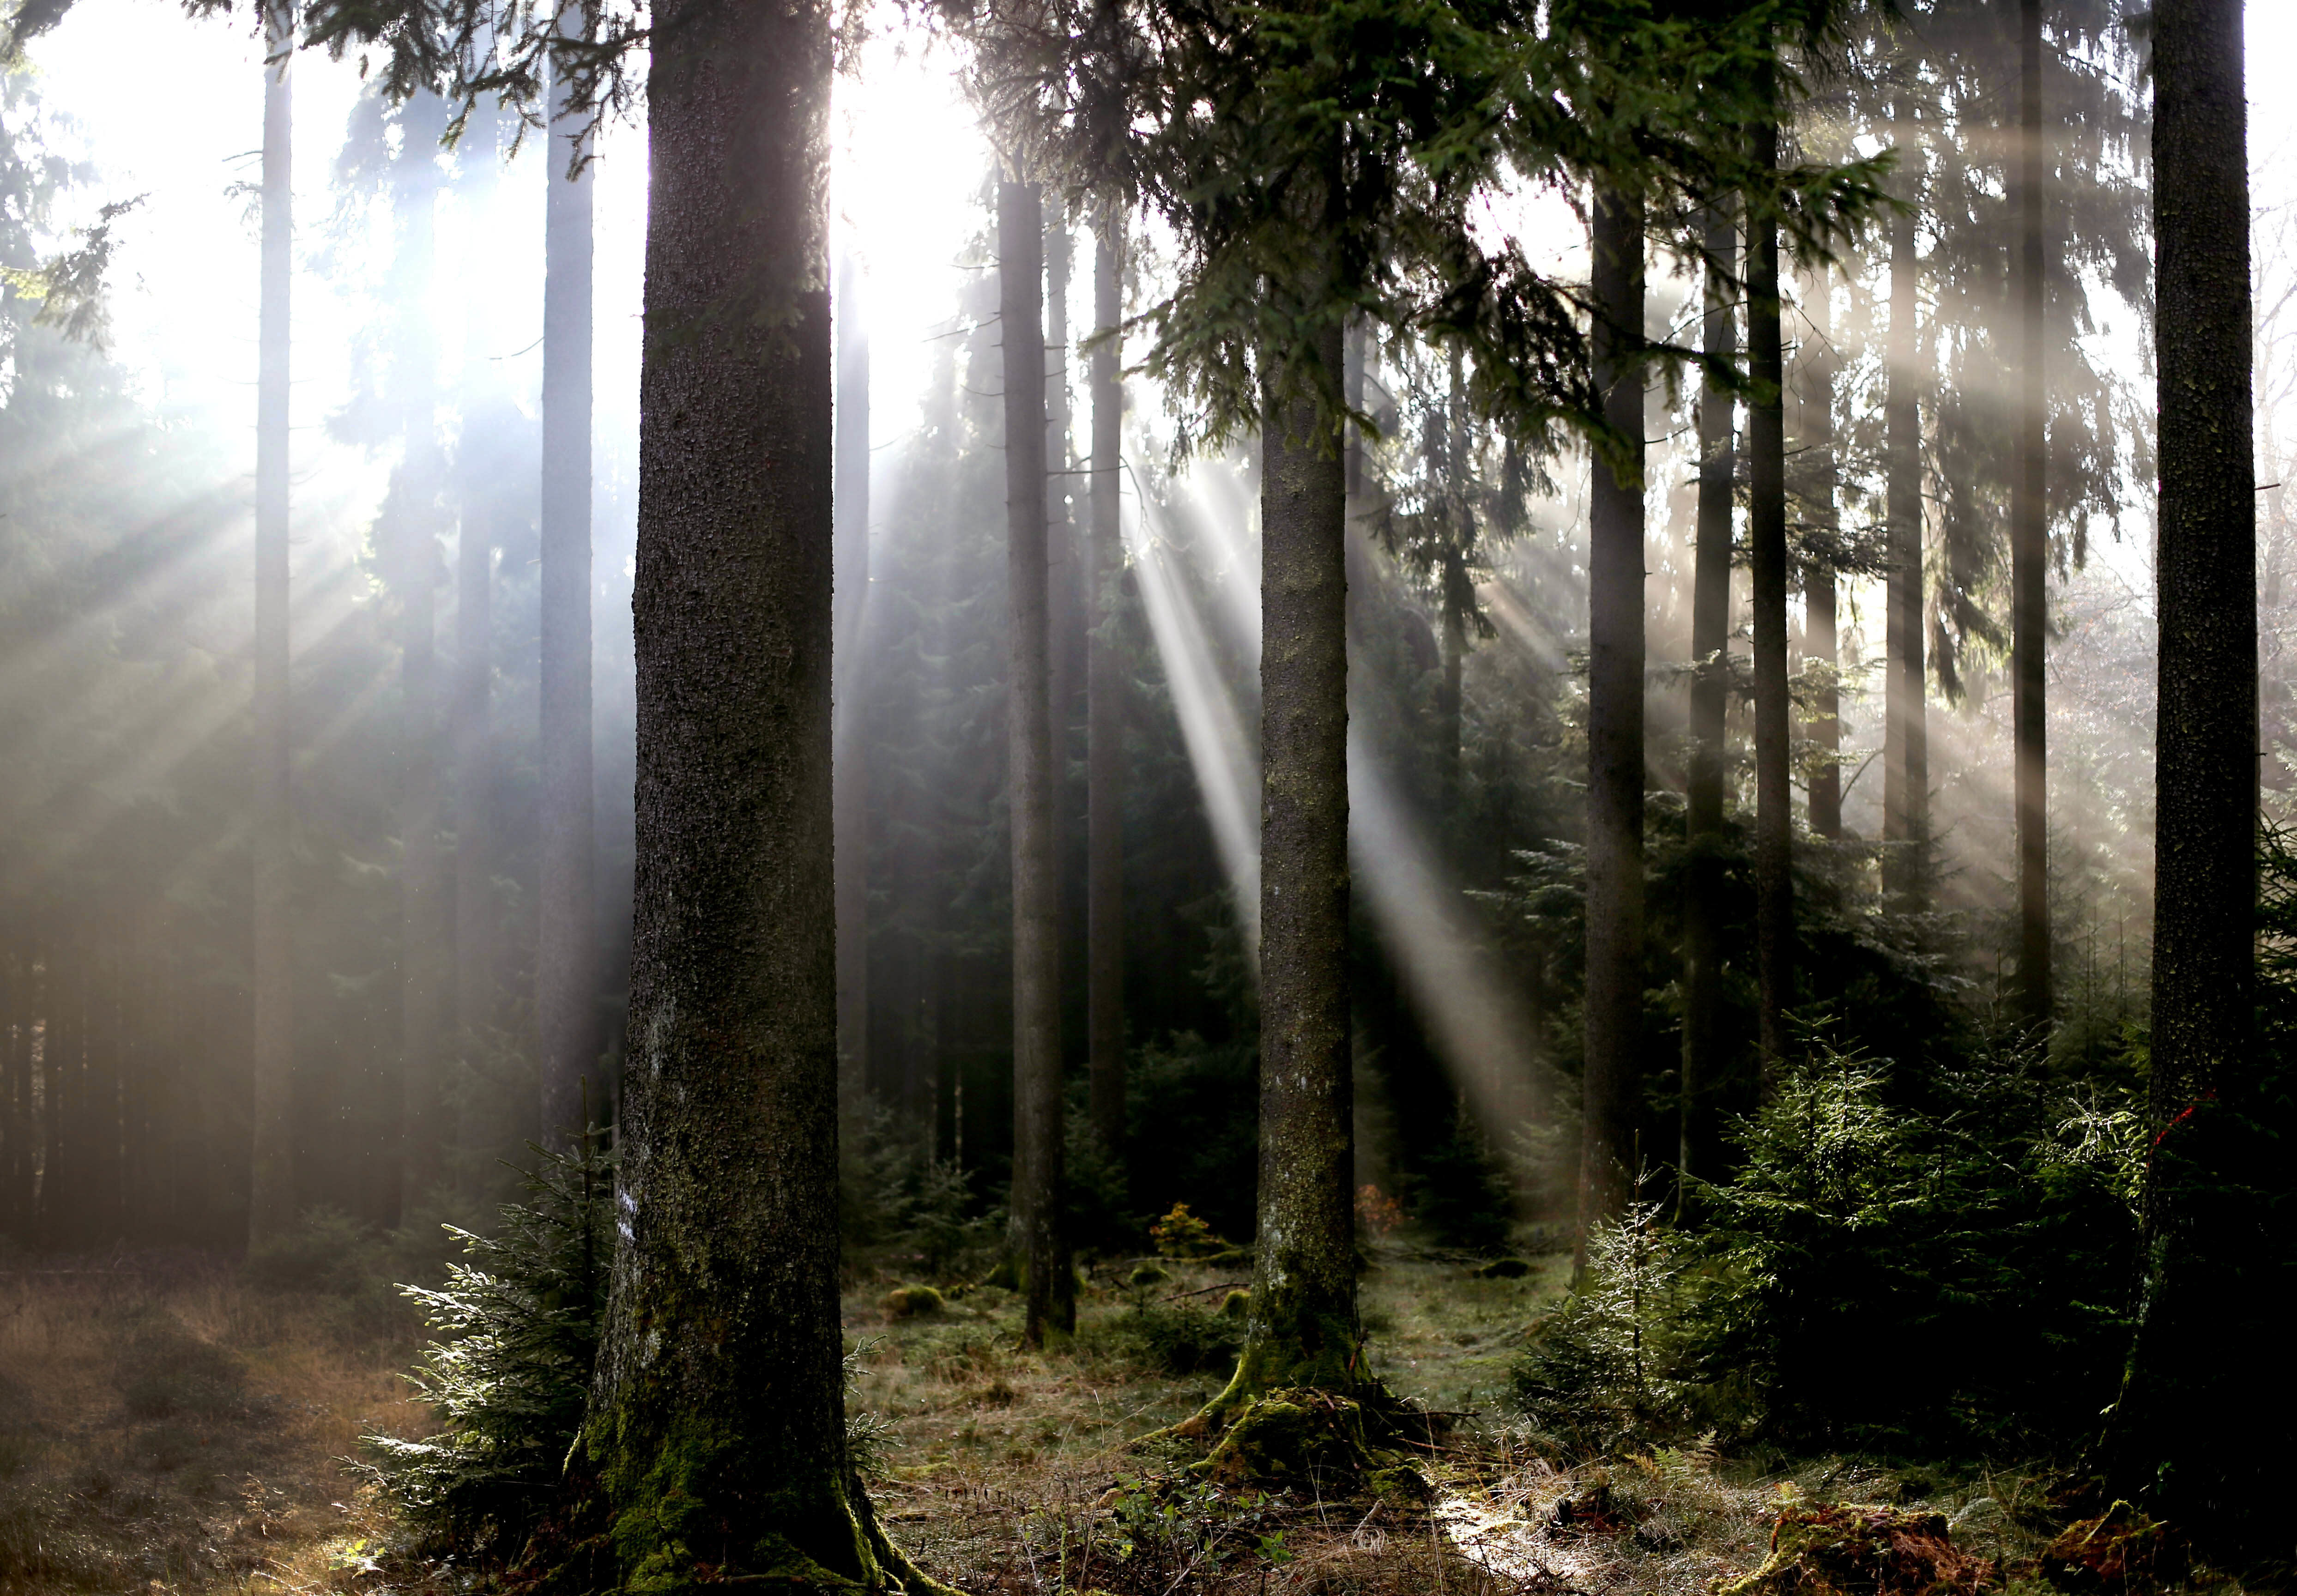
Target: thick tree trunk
(1821,643)
(1906,733)
(1302,1328)
(1710,702)
(717,1419)
(1767,548)
(567,943)
(1105,704)
(2185,1434)
(271,1206)
(1612,1084)
(2030,546)
(1038,1247)
(850,751)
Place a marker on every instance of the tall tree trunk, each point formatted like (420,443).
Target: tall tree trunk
(2184,1434)
(1302,1328)
(1905,734)
(1104,701)
(99,1119)
(717,1421)
(475,919)
(1351,389)
(59,1042)
(1821,643)
(1710,703)
(476,967)
(271,1204)
(427,921)
(1767,544)
(2030,546)
(849,753)
(15,1068)
(566,944)
(1458,593)
(1612,1084)
(1038,1247)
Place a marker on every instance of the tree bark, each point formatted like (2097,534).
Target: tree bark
(271,1204)
(2029,547)
(1905,735)
(1038,1249)
(1302,1328)
(851,774)
(1104,701)
(1767,548)
(566,945)
(2183,1435)
(1710,702)
(717,1421)
(1612,1085)
(1821,642)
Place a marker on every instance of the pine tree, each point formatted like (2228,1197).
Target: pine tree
(2183,1435)
(1039,1249)
(1105,704)
(1767,544)
(1612,1087)
(1710,691)
(566,945)
(850,772)
(271,1205)
(2029,545)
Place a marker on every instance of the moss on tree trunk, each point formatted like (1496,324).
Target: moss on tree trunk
(717,1429)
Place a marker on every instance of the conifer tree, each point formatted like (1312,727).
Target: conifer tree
(1612,1085)
(1905,757)
(271,1205)
(1104,691)
(2185,1435)
(1037,1244)
(2029,545)
(566,945)
(848,757)
(1766,559)
(1710,690)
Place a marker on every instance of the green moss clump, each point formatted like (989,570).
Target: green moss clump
(1146,1275)
(1303,1438)
(911,1302)
(1832,1549)
(1236,1304)
(1504,1268)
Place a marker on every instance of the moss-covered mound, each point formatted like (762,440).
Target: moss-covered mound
(1301,1438)
(2119,1549)
(1835,1549)
(911,1302)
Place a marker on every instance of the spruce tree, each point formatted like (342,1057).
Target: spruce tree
(566,941)
(1038,1249)
(1613,1089)
(271,1203)
(1104,693)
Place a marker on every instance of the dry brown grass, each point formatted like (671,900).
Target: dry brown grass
(166,1427)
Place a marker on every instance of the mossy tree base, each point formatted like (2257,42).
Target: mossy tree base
(1300,1437)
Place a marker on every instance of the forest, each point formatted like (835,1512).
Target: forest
(1147,797)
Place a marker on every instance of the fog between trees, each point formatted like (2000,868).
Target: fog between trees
(1009,619)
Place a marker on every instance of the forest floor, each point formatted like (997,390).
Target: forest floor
(166,1426)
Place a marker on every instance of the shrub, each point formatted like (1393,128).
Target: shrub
(518,1332)
(1181,1234)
